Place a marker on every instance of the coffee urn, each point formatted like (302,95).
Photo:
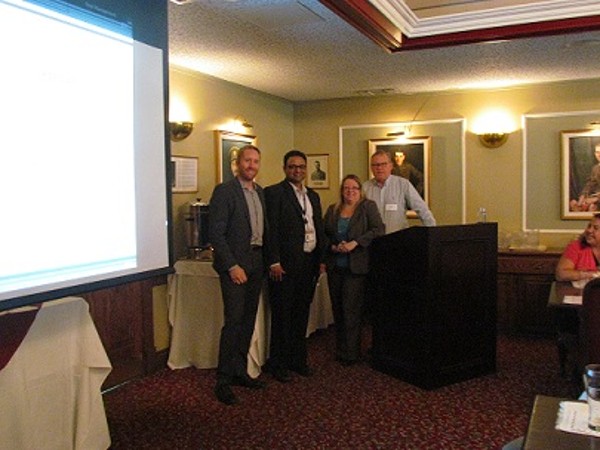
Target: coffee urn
(196,228)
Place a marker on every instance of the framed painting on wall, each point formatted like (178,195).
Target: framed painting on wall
(184,174)
(410,158)
(580,174)
(317,171)
(228,145)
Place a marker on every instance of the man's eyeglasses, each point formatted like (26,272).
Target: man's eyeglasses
(383,164)
(297,166)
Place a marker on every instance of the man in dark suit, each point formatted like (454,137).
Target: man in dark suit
(295,251)
(238,231)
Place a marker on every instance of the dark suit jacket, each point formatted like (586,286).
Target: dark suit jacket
(365,225)
(286,224)
(229,228)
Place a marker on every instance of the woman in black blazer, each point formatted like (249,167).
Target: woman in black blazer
(350,226)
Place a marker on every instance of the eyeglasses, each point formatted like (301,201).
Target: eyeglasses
(379,164)
(351,188)
(297,166)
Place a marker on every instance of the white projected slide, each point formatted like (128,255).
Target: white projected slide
(68,175)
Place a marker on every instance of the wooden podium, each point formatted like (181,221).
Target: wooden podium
(434,303)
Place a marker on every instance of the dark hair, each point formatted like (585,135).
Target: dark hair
(243,149)
(292,153)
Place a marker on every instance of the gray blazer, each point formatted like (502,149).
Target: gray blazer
(229,229)
(365,225)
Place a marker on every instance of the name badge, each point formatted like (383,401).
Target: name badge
(391,207)
(309,236)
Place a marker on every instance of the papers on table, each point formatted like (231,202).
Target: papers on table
(573,418)
(573,300)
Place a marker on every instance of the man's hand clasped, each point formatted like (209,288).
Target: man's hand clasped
(276,272)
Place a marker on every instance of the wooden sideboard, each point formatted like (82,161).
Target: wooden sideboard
(524,280)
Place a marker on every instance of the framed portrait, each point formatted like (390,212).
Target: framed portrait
(410,157)
(228,145)
(317,171)
(580,174)
(184,174)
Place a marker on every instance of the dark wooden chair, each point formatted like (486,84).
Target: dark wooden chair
(590,323)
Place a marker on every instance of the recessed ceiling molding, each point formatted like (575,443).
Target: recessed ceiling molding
(411,26)
(392,25)
(366,18)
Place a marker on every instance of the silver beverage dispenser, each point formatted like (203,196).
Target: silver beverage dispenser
(196,229)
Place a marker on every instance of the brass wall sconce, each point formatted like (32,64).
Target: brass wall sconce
(493,140)
(394,134)
(243,122)
(180,130)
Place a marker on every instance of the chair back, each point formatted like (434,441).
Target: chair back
(590,322)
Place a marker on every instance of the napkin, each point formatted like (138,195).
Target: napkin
(573,418)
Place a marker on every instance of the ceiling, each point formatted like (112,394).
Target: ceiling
(301,50)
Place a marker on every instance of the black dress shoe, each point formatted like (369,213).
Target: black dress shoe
(304,371)
(248,382)
(348,362)
(225,394)
(280,374)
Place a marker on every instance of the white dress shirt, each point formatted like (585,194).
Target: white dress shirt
(393,199)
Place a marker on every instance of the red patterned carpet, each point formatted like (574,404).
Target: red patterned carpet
(337,408)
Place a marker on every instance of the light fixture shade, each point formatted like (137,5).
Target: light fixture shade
(395,134)
(493,140)
(243,122)
(180,130)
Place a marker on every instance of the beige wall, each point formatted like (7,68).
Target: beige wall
(493,176)
(212,103)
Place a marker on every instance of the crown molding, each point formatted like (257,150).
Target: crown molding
(395,27)
(399,14)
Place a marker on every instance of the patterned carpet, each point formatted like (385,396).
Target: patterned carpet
(339,407)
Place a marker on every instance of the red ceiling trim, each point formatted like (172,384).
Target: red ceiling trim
(547,28)
(370,21)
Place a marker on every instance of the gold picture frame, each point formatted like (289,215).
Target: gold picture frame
(415,162)
(580,174)
(226,143)
(317,171)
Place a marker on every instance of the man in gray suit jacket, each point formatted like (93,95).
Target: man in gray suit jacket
(238,231)
(296,251)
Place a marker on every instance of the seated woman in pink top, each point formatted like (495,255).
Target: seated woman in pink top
(581,259)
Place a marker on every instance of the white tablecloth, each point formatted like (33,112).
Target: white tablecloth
(196,315)
(50,389)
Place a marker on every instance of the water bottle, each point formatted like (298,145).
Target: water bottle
(482,215)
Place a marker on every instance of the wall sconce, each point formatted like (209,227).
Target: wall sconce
(243,122)
(180,130)
(395,134)
(401,134)
(493,140)
(493,127)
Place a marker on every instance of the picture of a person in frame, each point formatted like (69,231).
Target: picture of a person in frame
(589,198)
(318,174)
(405,169)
